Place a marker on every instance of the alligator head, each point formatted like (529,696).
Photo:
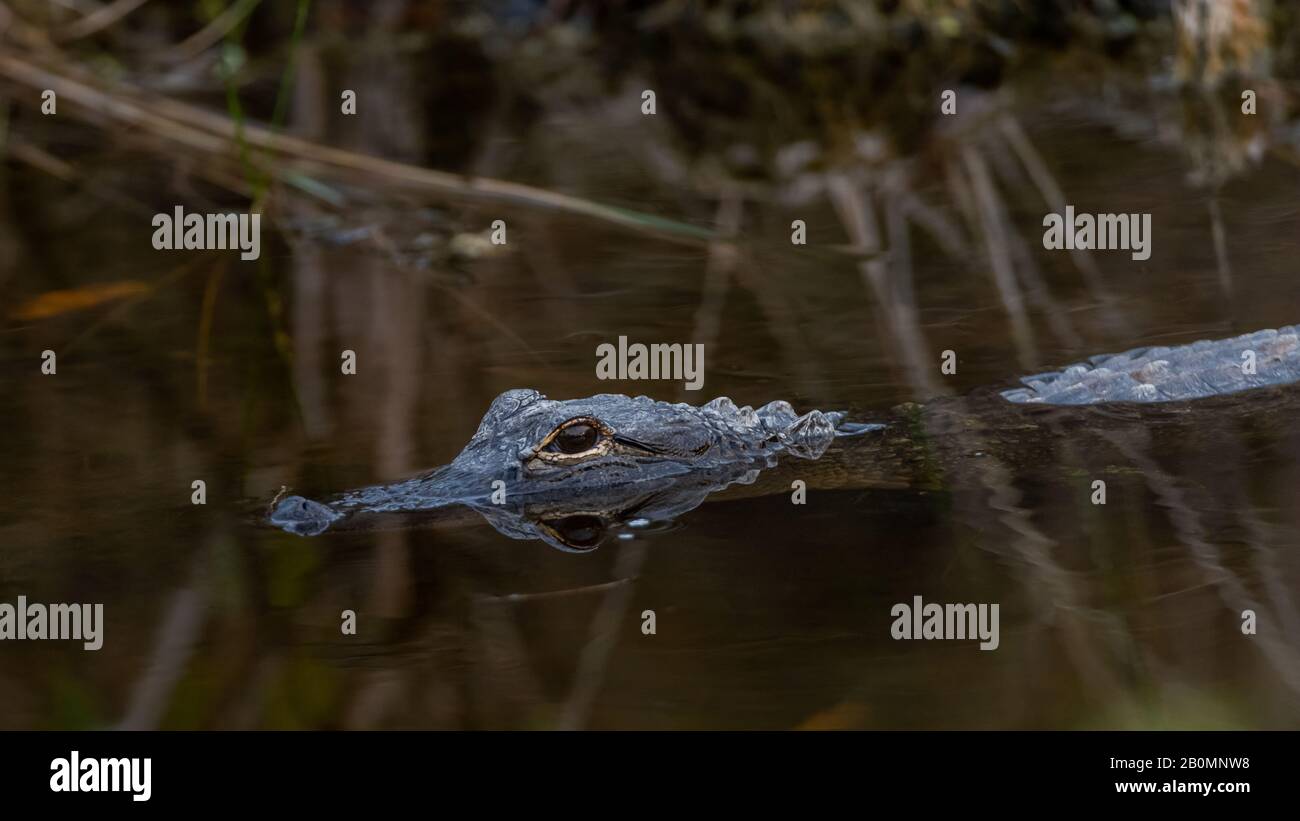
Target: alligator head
(530,452)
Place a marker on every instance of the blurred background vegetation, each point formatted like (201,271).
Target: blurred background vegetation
(923,236)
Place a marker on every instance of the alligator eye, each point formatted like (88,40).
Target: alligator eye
(578,437)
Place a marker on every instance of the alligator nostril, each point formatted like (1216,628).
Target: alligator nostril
(303,516)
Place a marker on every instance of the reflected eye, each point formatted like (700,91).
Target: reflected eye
(579,533)
(574,438)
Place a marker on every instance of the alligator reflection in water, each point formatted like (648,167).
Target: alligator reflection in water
(568,472)
(581,524)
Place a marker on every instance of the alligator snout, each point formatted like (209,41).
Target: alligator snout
(303,516)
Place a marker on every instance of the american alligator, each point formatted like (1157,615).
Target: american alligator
(567,472)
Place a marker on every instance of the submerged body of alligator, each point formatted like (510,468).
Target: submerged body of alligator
(566,471)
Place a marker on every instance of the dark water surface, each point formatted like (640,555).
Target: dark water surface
(769,615)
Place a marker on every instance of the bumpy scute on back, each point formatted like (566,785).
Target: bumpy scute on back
(1195,371)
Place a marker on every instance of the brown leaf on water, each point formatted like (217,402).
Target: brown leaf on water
(54,303)
(847,715)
